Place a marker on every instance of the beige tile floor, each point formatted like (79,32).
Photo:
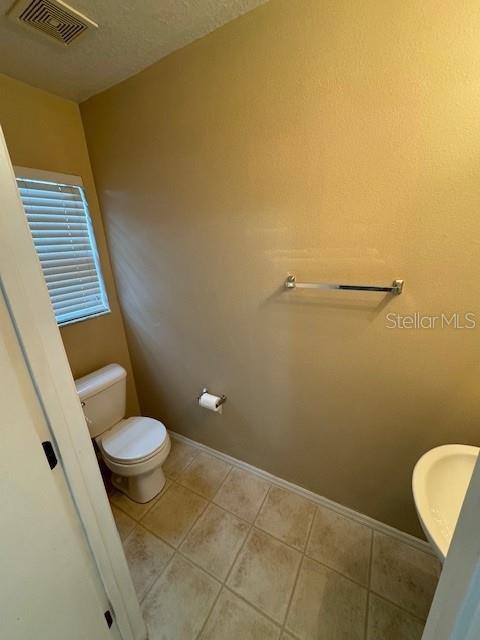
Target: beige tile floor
(223,555)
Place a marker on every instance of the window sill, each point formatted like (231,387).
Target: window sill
(84,319)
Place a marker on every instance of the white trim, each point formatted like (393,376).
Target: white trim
(376,525)
(49,176)
(83,318)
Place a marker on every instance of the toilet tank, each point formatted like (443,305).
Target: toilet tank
(103,396)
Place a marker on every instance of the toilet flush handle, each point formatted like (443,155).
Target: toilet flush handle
(89,422)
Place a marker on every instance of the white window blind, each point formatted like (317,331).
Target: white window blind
(62,232)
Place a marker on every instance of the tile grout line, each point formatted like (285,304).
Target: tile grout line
(177,480)
(345,577)
(319,562)
(200,631)
(139,524)
(369,581)
(400,607)
(157,578)
(271,485)
(199,566)
(222,586)
(177,552)
(317,499)
(252,526)
(118,530)
(224,583)
(182,555)
(250,523)
(125,542)
(382,596)
(261,613)
(186,534)
(222,483)
(290,598)
(299,568)
(230,513)
(261,506)
(234,465)
(167,564)
(287,544)
(153,501)
(182,539)
(200,495)
(185,466)
(262,500)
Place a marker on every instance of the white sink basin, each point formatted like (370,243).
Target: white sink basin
(440,482)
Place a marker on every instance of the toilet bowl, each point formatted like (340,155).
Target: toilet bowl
(134,449)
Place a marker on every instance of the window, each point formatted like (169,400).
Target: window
(58,217)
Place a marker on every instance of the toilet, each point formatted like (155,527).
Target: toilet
(134,449)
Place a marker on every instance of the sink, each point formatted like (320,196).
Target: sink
(440,482)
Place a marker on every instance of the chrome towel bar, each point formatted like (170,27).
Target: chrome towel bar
(395,289)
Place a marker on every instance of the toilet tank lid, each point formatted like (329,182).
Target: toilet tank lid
(93,383)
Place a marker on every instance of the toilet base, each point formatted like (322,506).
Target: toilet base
(141,488)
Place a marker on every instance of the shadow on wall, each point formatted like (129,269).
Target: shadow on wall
(297,139)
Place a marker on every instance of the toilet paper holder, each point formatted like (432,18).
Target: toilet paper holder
(220,400)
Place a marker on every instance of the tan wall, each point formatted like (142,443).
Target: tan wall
(337,140)
(44,131)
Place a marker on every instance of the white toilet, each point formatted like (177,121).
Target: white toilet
(134,449)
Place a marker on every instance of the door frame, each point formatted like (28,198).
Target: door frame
(40,340)
(455,611)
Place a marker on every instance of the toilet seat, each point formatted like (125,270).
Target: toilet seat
(133,440)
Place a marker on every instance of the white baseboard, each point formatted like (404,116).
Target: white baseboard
(376,525)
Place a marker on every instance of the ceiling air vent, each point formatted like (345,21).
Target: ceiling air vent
(53,18)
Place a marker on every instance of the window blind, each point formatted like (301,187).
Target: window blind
(61,228)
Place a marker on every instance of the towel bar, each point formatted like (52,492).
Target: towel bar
(395,289)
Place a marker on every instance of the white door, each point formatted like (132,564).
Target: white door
(49,588)
(62,565)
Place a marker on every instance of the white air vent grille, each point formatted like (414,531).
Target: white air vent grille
(53,18)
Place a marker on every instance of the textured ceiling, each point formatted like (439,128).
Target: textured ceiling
(131,36)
